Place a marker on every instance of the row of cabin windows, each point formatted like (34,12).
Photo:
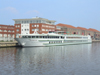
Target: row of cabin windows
(52,42)
(66,41)
(49,37)
(78,37)
(42,37)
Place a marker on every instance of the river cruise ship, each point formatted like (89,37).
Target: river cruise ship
(51,39)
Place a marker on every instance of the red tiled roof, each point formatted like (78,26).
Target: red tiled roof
(93,30)
(65,25)
(82,28)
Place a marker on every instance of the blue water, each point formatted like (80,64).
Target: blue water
(83,59)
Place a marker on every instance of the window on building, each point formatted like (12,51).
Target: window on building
(16,26)
(5,35)
(39,21)
(33,29)
(5,30)
(46,29)
(15,22)
(24,21)
(43,29)
(0,30)
(9,35)
(30,21)
(37,25)
(13,31)
(33,21)
(36,21)
(17,30)
(0,35)
(32,25)
(27,21)
(58,27)
(9,30)
(19,22)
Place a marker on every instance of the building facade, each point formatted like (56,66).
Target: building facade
(69,29)
(7,32)
(43,26)
(96,33)
(28,26)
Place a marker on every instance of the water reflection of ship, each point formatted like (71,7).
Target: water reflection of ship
(42,59)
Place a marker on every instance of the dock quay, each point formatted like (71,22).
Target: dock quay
(9,44)
(95,40)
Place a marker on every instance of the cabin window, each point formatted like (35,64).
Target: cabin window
(45,36)
(54,37)
(32,25)
(50,36)
(24,36)
(41,36)
(33,36)
(62,37)
(29,36)
(37,36)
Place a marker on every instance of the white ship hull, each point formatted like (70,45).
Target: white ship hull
(49,42)
(51,39)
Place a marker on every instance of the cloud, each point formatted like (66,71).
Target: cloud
(11,9)
(32,12)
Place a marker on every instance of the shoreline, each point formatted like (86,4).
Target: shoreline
(9,44)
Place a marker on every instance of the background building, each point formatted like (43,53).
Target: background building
(96,33)
(43,26)
(28,26)
(7,32)
(69,29)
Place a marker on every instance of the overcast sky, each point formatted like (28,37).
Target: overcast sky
(82,13)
